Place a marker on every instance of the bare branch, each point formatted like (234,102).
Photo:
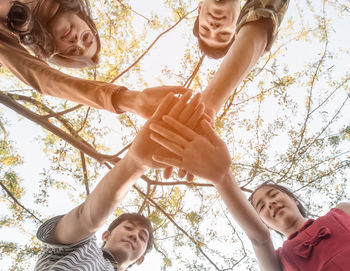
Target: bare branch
(151,45)
(85,176)
(8,192)
(55,115)
(193,75)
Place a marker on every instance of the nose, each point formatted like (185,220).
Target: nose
(73,38)
(213,23)
(271,204)
(132,236)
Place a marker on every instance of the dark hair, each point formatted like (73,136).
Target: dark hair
(34,34)
(140,220)
(211,52)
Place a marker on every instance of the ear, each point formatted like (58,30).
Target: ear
(140,260)
(200,4)
(105,236)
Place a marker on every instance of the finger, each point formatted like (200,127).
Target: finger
(211,133)
(182,173)
(206,117)
(182,130)
(164,106)
(189,109)
(189,178)
(167,172)
(175,162)
(196,116)
(169,135)
(179,106)
(174,148)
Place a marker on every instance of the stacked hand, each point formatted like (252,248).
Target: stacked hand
(148,100)
(143,148)
(204,155)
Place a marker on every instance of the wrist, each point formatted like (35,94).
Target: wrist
(134,163)
(124,100)
(226,179)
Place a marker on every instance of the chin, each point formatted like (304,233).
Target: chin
(120,254)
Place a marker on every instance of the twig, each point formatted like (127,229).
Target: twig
(85,180)
(149,47)
(8,192)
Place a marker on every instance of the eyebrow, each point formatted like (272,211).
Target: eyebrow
(267,193)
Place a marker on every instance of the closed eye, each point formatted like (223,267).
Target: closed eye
(205,28)
(274,194)
(262,207)
(203,31)
(223,37)
(143,237)
(128,228)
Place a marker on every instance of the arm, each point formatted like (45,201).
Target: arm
(88,217)
(248,47)
(207,157)
(46,80)
(144,103)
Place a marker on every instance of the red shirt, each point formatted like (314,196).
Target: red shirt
(321,244)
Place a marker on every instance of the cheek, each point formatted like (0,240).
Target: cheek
(61,46)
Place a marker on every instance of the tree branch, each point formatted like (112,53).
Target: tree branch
(8,192)
(151,45)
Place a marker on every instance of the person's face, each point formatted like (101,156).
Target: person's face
(127,242)
(72,35)
(217,21)
(276,209)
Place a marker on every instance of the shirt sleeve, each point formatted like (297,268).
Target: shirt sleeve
(46,229)
(254,10)
(46,80)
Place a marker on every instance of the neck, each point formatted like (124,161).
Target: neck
(295,226)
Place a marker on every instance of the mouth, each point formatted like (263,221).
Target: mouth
(130,243)
(215,17)
(276,211)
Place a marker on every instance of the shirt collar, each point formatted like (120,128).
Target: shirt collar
(306,224)
(108,256)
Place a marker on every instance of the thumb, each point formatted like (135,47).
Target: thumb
(211,133)
(164,106)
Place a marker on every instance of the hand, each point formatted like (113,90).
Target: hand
(143,148)
(204,155)
(196,127)
(149,99)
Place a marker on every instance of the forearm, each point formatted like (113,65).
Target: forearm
(241,209)
(126,100)
(46,80)
(88,217)
(248,47)
(245,215)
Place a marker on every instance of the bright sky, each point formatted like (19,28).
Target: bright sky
(168,52)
